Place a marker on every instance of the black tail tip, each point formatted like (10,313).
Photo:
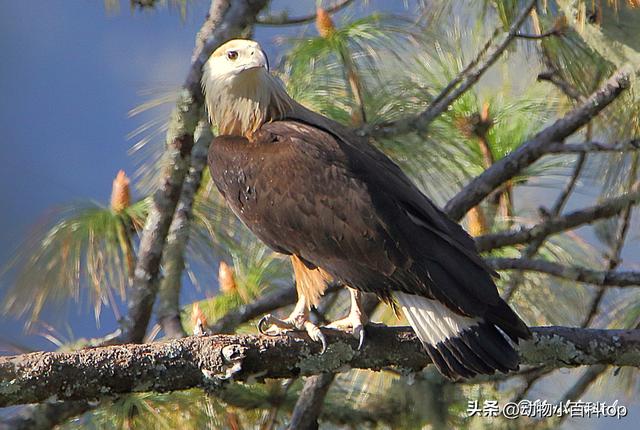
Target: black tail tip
(477,350)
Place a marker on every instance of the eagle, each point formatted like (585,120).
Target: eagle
(310,188)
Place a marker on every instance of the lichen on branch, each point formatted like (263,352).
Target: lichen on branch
(209,361)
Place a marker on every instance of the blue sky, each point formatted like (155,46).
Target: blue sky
(70,74)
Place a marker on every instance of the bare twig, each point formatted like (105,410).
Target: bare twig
(605,209)
(210,360)
(618,245)
(466,80)
(574,273)
(591,374)
(552,32)
(532,250)
(581,148)
(566,88)
(284,19)
(509,166)
(467,70)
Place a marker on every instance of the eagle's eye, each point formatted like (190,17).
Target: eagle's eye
(232,55)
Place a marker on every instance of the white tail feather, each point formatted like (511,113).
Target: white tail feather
(432,321)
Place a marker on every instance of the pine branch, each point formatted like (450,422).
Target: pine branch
(614,260)
(461,83)
(201,361)
(532,150)
(606,209)
(235,16)
(607,278)
(533,247)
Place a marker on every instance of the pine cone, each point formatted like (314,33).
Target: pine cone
(226,278)
(120,195)
(324,24)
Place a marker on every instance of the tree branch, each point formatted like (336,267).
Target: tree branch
(466,79)
(574,273)
(209,361)
(178,237)
(284,19)
(555,31)
(565,87)
(309,405)
(606,209)
(622,229)
(581,148)
(526,154)
(45,415)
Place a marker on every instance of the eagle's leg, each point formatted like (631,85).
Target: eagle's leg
(311,282)
(354,322)
(298,320)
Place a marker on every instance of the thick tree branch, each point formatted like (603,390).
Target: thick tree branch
(607,278)
(605,209)
(209,361)
(178,237)
(526,154)
(235,16)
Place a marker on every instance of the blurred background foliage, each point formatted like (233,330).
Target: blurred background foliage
(363,67)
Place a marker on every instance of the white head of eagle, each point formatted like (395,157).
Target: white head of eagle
(240,93)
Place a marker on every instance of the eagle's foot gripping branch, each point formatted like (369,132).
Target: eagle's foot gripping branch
(272,326)
(356,320)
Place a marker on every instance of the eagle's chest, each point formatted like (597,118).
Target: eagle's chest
(241,181)
(251,183)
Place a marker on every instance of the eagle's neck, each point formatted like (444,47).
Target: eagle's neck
(239,105)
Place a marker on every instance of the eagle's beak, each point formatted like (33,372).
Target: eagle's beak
(257,59)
